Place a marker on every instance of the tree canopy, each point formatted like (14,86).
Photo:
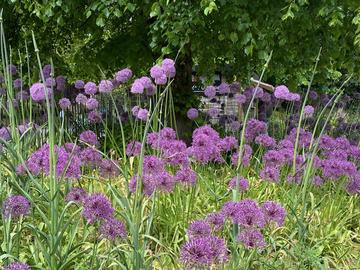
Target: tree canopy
(236,36)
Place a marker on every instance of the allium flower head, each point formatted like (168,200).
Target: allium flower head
(274,212)
(186,176)
(192,113)
(90,88)
(308,110)
(105,86)
(252,238)
(123,75)
(135,110)
(224,88)
(90,156)
(281,92)
(168,65)
(265,140)
(77,195)
(94,117)
(113,229)
(17,83)
(109,168)
(213,112)
(133,148)
(270,173)
(152,164)
(60,83)
(64,103)
(12,69)
(216,220)
(240,99)
(92,104)
(81,99)
(353,186)
(137,87)
(17,266)
(157,72)
(242,182)
(38,92)
(142,114)
(5,134)
(210,91)
(22,95)
(148,184)
(164,181)
(15,206)
(79,84)
(97,208)
(89,137)
(198,228)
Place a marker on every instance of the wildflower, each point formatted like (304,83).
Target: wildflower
(168,66)
(210,91)
(213,112)
(308,110)
(91,104)
(15,206)
(228,143)
(5,134)
(274,212)
(240,99)
(77,195)
(353,186)
(246,156)
(251,238)
(105,86)
(90,88)
(224,88)
(198,228)
(265,140)
(64,103)
(192,113)
(38,92)
(22,95)
(152,165)
(123,75)
(148,184)
(137,87)
(17,266)
(216,220)
(81,99)
(186,176)
(89,137)
(270,174)
(133,148)
(90,156)
(157,72)
(97,208)
(79,84)
(135,110)
(17,83)
(281,92)
(142,114)
(112,229)
(164,181)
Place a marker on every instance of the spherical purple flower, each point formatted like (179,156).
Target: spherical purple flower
(92,104)
(94,117)
(22,95)
(192,113)
(112,229)
(50,82)
(152,165)
(198,228)
(133,148)
(246,156)
(240,99)
(281,92)
(228,143)
(81,99)
(274,212)
(313,95)
(105,86)
(90,88)
(150,91)
(216,220)
(168,65)
(210,91)
(38,92)
(143,114)
(5,133)
(234,125)
(157,72)
(148,184)
(224,88)
(90,156)
(77,195)
(265,140)
(161,80)
(12,69)
(97,208)
(123,75)
(79,84)
(135,110)
(186,176)
(60,83)
(242,182)
(248,214)
(89,137)
(308,110)
(318,181)
(252,238)
(146,82)
(46,70)
(64,103)
(15,206)
(137,87)
(17,83)
(109,168)
(353,186)
(164,181)
(213,112)
(72,148)
(270,174)
(17,266)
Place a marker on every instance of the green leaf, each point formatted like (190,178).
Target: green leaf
(100,21)
(131,7)
(155,10)
(234,37)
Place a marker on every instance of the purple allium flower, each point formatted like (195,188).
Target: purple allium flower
(213,112)
(148,184)
(168,65)
(157,72)
(243,183)
(137,87)
(90,88)
(135,110)
(92,104)
(64,103)
(281,92)
(72,148)
(105,86)
(216,220)
(133,148)
(146,82)
(97,208)
(167,134)
(210,91)
(12,69)
(17,83)
(79,84)
(17,266)
(286,143)
(252,238)
(308,110)
(38,92)
(248,214)
(334,168)
(198,228)
(161,80)
(152,165)
(90,156)
(266,97)
(313,95)
(270,174)
(50,82)
(60,83)
(89,137)
(234,125)
(186,176)
(15,206)
(274,212)
(164,181)
(202,252)
(123,75)
(112,229)
(94,117)
(109,168)
(246,156)
(22,95)
(240,99)
(46,70)
(142,114)
(265,140)
(293,97)
(77,195)
(353,186)
(192,113)
(81,99)
(224,88)
(5,134)
(254,128)
(228,143)
(318,181)
(150,91)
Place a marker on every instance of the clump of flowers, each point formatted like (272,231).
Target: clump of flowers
(15,206)
(17,266)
